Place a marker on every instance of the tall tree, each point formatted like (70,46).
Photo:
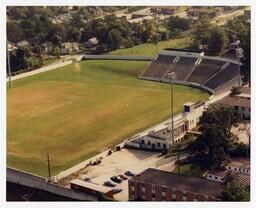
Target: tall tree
(211,148)
(234,190)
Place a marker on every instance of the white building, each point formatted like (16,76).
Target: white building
(239,166)
(161,139)
(216,175)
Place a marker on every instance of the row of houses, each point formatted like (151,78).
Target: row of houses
(48,47)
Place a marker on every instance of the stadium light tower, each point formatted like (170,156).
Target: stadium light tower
(172,77)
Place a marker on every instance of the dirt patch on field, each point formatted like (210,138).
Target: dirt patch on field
(76,67)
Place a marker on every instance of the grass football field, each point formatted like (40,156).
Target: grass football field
(82,109)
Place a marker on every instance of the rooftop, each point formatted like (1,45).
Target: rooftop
(245,90)
(181,182)
(220,173)
(235,101)
(240,163)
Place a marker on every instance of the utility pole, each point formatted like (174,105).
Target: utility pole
(49,169)
(9,66)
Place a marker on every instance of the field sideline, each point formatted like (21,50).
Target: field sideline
(82,109)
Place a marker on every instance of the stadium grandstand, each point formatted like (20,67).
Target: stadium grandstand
(213,74)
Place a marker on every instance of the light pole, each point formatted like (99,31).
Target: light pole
(8,66)
(172,76)
(48,165)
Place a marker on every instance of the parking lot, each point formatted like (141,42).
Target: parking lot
(118,162)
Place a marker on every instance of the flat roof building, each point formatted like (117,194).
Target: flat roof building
(159,185)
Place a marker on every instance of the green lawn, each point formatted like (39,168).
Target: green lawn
(150,49)
(79,110)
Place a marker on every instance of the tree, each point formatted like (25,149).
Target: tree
(234,190)
(201,32)
(217,39)
(19,59)
(14,32)
(214,37)
(38,51)
(114,39)
(211,148)
(149,33)
(176,22)
(240,28)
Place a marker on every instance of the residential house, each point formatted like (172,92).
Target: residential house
(23,43)
(92,42)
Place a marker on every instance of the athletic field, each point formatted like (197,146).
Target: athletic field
(82,109)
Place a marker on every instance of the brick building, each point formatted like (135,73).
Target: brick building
(159,185)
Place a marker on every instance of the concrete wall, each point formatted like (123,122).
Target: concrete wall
(118,57)
(29,180)
(40,70)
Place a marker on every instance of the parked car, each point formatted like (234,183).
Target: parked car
(129,173)
(123,177)
(116,190)
(116,179)
(109,183)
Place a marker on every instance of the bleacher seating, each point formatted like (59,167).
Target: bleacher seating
(211,74)
(183,67)
(158,67)
(224,76)
(205,70)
